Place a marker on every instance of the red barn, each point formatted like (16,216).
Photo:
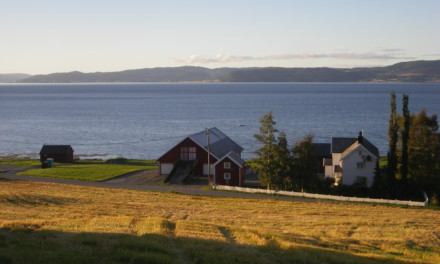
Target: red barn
(59,153)
(190,156)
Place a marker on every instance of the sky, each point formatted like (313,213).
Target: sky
(47,36)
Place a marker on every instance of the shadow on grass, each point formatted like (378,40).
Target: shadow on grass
(25,245)
(34,200)
(7,180)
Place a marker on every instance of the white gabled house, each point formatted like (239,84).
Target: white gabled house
(353,160)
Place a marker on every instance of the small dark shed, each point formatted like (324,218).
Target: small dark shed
(59,153)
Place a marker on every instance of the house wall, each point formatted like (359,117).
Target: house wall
(173,155)
(205,169)
(350,170)
(328,172)
(166,168)
(336,160)
(237,173)
(68,157)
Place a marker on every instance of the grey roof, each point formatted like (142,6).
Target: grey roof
(322,149)
(219,143)
(339,145)
(234,157)
(55,149)
(237,159)
(372,148)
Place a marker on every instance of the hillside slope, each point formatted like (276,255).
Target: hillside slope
(12,77)
(178,74)
(415,71)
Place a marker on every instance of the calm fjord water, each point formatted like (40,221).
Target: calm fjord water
(144,120)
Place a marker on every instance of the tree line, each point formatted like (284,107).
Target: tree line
(413,160)
(278,166)
(413,157)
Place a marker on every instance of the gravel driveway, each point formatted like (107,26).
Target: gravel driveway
(146,180)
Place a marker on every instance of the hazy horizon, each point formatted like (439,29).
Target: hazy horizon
(48,36)
(212,68)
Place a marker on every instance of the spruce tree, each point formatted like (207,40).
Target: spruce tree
(265,164)
(283,160)
(393,129)
(304,164)
(424,153)
(379,182)
(405,138)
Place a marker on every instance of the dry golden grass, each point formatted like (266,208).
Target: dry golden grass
(174,228)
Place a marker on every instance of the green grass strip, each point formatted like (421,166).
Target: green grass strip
(22,163)
(87,172)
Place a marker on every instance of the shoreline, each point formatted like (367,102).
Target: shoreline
(36,156)
(221,82)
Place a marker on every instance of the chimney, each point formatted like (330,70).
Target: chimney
(360,138)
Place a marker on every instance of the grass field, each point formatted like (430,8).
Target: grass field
(91,170)
(51,223)
(21,163)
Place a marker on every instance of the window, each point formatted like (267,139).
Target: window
(192,153)
(227,165)
(360,165)
(227,176)
(188,153)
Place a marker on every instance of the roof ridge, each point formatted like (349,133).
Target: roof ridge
(217,130)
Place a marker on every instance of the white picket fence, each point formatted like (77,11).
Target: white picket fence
(320,196)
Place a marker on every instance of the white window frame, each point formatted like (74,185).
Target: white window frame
(360,165)
(226,165)
(227,176)
(188,153)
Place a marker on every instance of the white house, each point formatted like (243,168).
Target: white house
(353,161)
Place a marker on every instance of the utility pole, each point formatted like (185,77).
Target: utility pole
(209,163)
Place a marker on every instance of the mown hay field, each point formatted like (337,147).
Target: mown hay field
(54,223)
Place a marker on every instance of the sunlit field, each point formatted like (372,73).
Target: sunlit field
(84,170)
(21,163)
(90,172)
(52,223)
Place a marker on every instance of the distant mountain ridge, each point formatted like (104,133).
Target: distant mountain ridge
(176,74)
(414,71)
(13,77)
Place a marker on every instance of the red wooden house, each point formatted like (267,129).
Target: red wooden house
(59,153)
(229,170)
(190,156)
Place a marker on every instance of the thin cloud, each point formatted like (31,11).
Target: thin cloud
(432,55)
(393,50)
(222,58)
